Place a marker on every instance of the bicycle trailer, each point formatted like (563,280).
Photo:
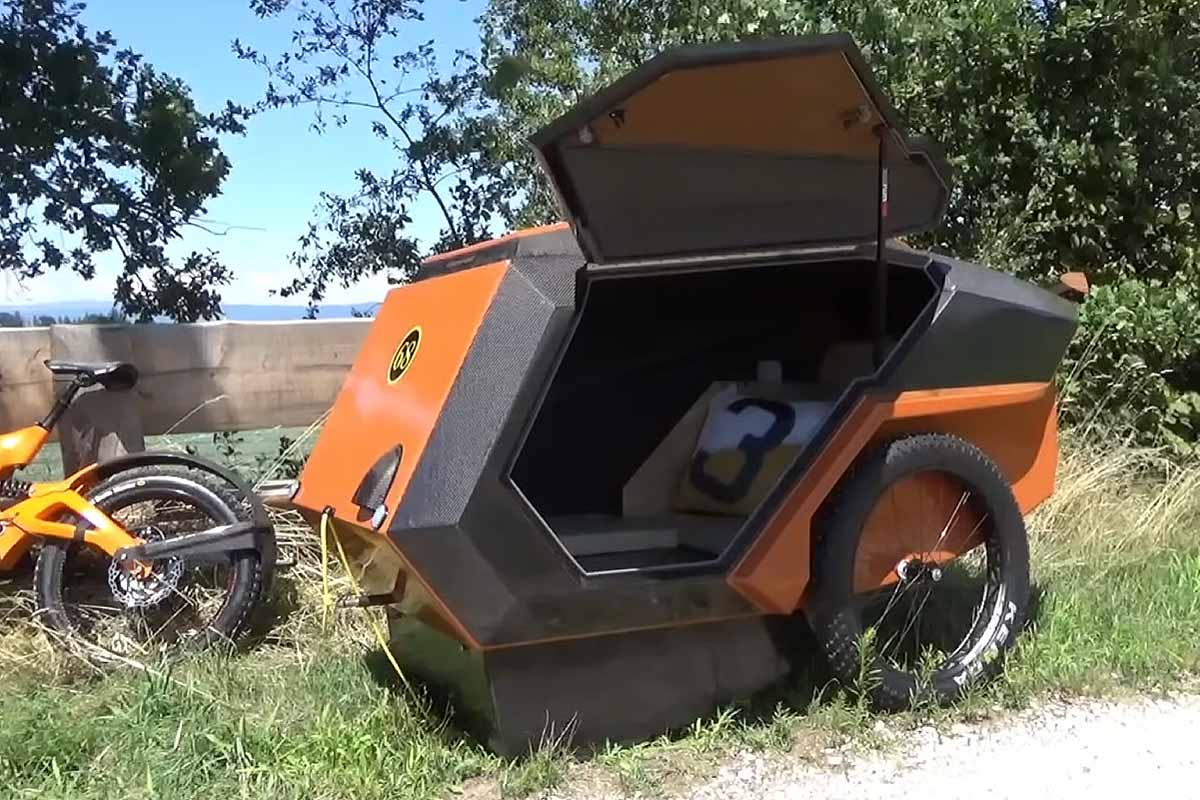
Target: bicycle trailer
(603,472)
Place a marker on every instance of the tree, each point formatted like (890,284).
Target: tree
(361,62)
(112,155)
(1072,129)
(113,317)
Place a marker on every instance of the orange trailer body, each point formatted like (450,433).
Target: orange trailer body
(505,453)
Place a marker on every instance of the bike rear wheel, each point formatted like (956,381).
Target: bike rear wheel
(112,611)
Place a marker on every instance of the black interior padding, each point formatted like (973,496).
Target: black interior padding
(719,201)
(647,346)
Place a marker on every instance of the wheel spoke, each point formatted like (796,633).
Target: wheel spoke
(923,554)
(946,528)
(168,621)
(923,610)
(901,588)
(914,619)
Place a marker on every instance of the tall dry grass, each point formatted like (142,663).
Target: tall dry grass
(1115,504)
(296,621)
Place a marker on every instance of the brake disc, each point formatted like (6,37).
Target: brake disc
(133,589)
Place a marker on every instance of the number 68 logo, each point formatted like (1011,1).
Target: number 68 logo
(403,357)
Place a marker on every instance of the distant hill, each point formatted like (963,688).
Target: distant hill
(76,309)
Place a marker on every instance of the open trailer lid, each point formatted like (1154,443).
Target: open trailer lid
(740,147)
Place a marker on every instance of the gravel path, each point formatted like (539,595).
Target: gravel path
(1086,749)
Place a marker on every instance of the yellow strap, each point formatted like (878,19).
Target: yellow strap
(326,596)
(380,638)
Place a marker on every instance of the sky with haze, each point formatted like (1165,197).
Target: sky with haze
(279,165)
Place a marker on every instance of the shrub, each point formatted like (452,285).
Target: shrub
(1071,128)
(1133,371)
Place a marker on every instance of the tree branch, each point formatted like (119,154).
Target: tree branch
(429,183)
(225,231)
(333,101)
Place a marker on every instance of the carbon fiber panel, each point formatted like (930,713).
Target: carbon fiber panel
(477,407)
(989,328)
(554,276)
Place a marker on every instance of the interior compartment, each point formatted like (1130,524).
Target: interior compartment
(604,458)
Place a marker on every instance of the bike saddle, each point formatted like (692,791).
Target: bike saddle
(115,375)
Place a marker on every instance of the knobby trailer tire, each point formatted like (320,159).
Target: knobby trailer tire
(836,612)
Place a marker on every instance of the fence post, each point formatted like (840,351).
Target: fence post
(100,424)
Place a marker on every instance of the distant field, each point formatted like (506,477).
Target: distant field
(249,452)
(240,312)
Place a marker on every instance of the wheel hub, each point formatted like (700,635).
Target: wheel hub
(145,588)
(914,570)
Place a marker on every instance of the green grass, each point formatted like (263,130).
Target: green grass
(1134,624)
(310,715)
(280,727)
(248,451)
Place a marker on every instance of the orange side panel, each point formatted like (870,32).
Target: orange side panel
(396,389)
(774,572)
(1015,424)
(926,516)
(1021,436)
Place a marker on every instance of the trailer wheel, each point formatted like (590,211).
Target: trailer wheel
(921,574)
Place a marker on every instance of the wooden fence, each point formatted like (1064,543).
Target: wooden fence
(211,376)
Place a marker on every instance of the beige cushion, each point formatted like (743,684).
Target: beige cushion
(731,485)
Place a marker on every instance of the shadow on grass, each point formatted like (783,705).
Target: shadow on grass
(17,600)
(437,703)
(808,683)
(19,577)
(1038,595)
(809,687)
(275,611)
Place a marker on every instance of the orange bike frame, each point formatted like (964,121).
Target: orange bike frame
(40,515)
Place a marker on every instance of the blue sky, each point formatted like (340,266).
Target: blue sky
(279,165)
